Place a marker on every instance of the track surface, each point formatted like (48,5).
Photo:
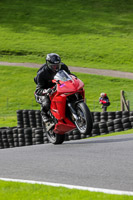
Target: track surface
(105,162)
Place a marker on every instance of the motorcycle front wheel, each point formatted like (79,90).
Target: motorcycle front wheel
(84,123)
(55,138)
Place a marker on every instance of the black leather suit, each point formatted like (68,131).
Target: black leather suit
(44,81)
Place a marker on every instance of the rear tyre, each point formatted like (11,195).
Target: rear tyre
(55,138)
(84,123)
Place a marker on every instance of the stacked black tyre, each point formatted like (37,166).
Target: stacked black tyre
(126,123)
(118,125)
(131,120)
(32,118)
(111,116)
(118,114)
(39,136)
(20,118)
(26,121)
(103,117)
(21,139)
(29,118)
(1,142)
(30,131)
(95,129)
(70,135)
(103,128)
(76,135)
(96,116)
(15,137)
(125,114)
(38,119)
(45,138)
(28,136)
(110,126)
(9,134)
(4,139)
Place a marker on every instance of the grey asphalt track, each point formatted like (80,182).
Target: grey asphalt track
(105,162)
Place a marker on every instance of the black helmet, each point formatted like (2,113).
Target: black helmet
(53,61)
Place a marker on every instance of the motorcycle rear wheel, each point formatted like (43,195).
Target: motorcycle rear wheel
(55,138)
(84,123)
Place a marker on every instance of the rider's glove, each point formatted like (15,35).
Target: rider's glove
(54,88)
(50,91)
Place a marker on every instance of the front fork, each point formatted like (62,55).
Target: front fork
(73,112)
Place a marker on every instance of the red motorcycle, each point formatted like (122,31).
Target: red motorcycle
(68,110)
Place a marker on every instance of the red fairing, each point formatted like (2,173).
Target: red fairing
(71,86)
(58,103)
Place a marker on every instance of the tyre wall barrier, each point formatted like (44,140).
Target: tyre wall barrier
(29,129)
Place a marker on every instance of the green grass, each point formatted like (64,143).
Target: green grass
(24,191)
(130,131)
(92,33)
(17,91)
(95,34)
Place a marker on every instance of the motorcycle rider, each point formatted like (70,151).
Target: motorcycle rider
(44,83)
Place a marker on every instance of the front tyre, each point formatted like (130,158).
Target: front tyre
(55,138)
(84,123)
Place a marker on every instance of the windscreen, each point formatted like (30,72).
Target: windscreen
(62,76)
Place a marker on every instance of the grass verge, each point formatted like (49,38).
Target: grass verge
(17,91)
(130,131)
(24,191)
(95,34)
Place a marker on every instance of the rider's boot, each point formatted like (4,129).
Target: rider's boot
(45,117)
(47,121)
(49,125)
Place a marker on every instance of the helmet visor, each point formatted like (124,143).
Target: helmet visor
(54,67)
